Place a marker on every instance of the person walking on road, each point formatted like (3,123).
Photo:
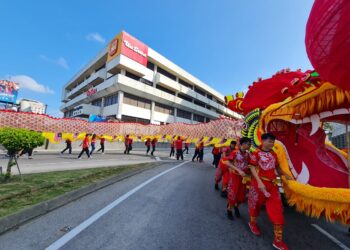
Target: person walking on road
(216,156)
(264,189)
(179,153)
(93,143)
(68,147)
(172,148)
(85,147)
(102,145)
(196,152)
(154,142)
(128,144)
(148,145)
(28,151)
(238,169)
(186,148)
(201,151)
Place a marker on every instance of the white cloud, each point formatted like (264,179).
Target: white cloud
(95,37)
(26,82)
(59,61)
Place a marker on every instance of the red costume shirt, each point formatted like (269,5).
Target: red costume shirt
(266,163)
(148,143)
(216,151)
(102,140)
(178,144)
(222,164)
(86,142)
(154,141)
(241,159)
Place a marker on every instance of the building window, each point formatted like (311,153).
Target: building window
(219,112)
(158,107)
(126,118)
(165,90)
(166,73)
(182,82)
(183,114)
(137,78)
(210,97)
(198,118)
(110,100)
(97,102)
(199,91)
(339,141)
(184,97)
(202,104)
(136,101)
(150,65)
(98,69)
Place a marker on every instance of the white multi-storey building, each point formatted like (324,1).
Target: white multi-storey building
(131,82)
(26,105)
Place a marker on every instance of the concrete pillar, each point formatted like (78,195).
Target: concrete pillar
(154,76)
(152,112)
(120,104)
(123,72)
(191,118)
(175,114)
(102,105)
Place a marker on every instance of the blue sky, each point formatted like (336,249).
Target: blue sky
(225,43)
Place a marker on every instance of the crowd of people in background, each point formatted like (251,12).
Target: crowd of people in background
(178,147)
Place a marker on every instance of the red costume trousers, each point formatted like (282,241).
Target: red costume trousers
(256,199)
(236,190)
(222,173)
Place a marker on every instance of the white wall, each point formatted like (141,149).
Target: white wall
(110,110)
(136,111)
(160,117)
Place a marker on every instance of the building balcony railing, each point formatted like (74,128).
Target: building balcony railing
(96,78)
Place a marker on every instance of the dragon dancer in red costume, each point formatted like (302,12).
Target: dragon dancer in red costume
(236,189)
(222,173)
(264,190)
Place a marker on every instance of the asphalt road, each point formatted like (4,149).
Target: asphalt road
(54,161)
(178,210)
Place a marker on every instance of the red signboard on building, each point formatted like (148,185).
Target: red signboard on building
(129,46)
(91,92)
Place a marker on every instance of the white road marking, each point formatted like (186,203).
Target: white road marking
(331,237)
(75,231)
(157,158)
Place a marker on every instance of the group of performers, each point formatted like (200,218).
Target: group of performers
(238,168)
(85,145)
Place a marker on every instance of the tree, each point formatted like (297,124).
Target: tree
(15,140)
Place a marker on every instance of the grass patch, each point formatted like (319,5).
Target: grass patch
(35,188)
